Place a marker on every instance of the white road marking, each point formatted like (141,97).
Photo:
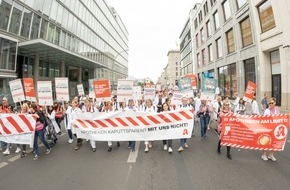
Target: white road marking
(133,155)
(14,158)
(3,164)
(288,141)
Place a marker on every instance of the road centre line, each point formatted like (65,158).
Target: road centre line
(133,155)
(2,164)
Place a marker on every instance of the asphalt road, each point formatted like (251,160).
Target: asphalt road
(198,167)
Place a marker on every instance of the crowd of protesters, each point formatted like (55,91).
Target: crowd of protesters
(207,113)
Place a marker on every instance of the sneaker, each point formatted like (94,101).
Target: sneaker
(109,149)
(48,151)
(185,145)
(17,150)
(118,144)
(219,151)
(70,141)
(229,156)
(77,146)
(264,157)
(165,147)
(271,157)
(170,150)
(35,157)
(23,154)
(180,149)
(146,148)
(150,145)
(6,152)
(94,149)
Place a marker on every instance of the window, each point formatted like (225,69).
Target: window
(196,39)
(198,60)
(25,27)
(200,16)
(5,9)
(230,41)
(210,53)
(205,9)
(202,35)
(208,28)
(7,54)
(216,20)
(266,16)
(195,23)
(43,31)
(246,31)
(212,2)
(35,26)
(240,3)
(219,48)
(203,56)
(227,10)
(250,71)
(15,19)
(228,80)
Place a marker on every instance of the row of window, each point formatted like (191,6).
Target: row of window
(265,12)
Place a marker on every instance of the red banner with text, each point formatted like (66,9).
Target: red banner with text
(255,132)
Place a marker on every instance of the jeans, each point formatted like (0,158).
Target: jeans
(132,145)
(204,119)
(182,142)
(39,134)
(70,135)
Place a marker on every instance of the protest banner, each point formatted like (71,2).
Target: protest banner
(29,89)
(16,90)
(208,89)
(250,91)
(149,92)
(134,126)
(255,132)
(124,90)
(185,87)
(91,88)
(61,89)
(102,90)
(193,80)
(137,93)
(44,92)
(17,128)
(176,98)
(80,88)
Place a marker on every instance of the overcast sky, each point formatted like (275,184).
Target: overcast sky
(154,27)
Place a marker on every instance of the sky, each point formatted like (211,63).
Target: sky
(154,27)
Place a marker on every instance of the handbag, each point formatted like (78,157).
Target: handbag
(59,115)
(39,126)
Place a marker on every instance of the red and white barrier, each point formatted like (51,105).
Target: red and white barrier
(17,128)
(125,126)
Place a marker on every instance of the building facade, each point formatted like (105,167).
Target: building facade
(44,39)
(172,69)
(236,41)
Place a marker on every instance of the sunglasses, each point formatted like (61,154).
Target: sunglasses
(271,102)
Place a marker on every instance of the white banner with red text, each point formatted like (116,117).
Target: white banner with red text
(255,132)
(17,128)
(134,126)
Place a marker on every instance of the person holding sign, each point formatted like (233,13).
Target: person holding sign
(271,110)
(149,107)
(88,108)
(167,143)
(131,107)
(225,110)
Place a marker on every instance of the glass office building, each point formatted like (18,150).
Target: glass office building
(78,39)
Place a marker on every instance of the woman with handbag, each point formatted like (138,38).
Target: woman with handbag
(39,131)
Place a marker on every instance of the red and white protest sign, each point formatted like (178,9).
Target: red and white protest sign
(61,89)
(193,79)
(29,89)
(17,128)
(130,125)
(16,90)
(255,132)
(124,90)
(102,90)
(44,92)
(149,92)
(250,91)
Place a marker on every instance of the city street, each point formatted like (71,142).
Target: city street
(198,167)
